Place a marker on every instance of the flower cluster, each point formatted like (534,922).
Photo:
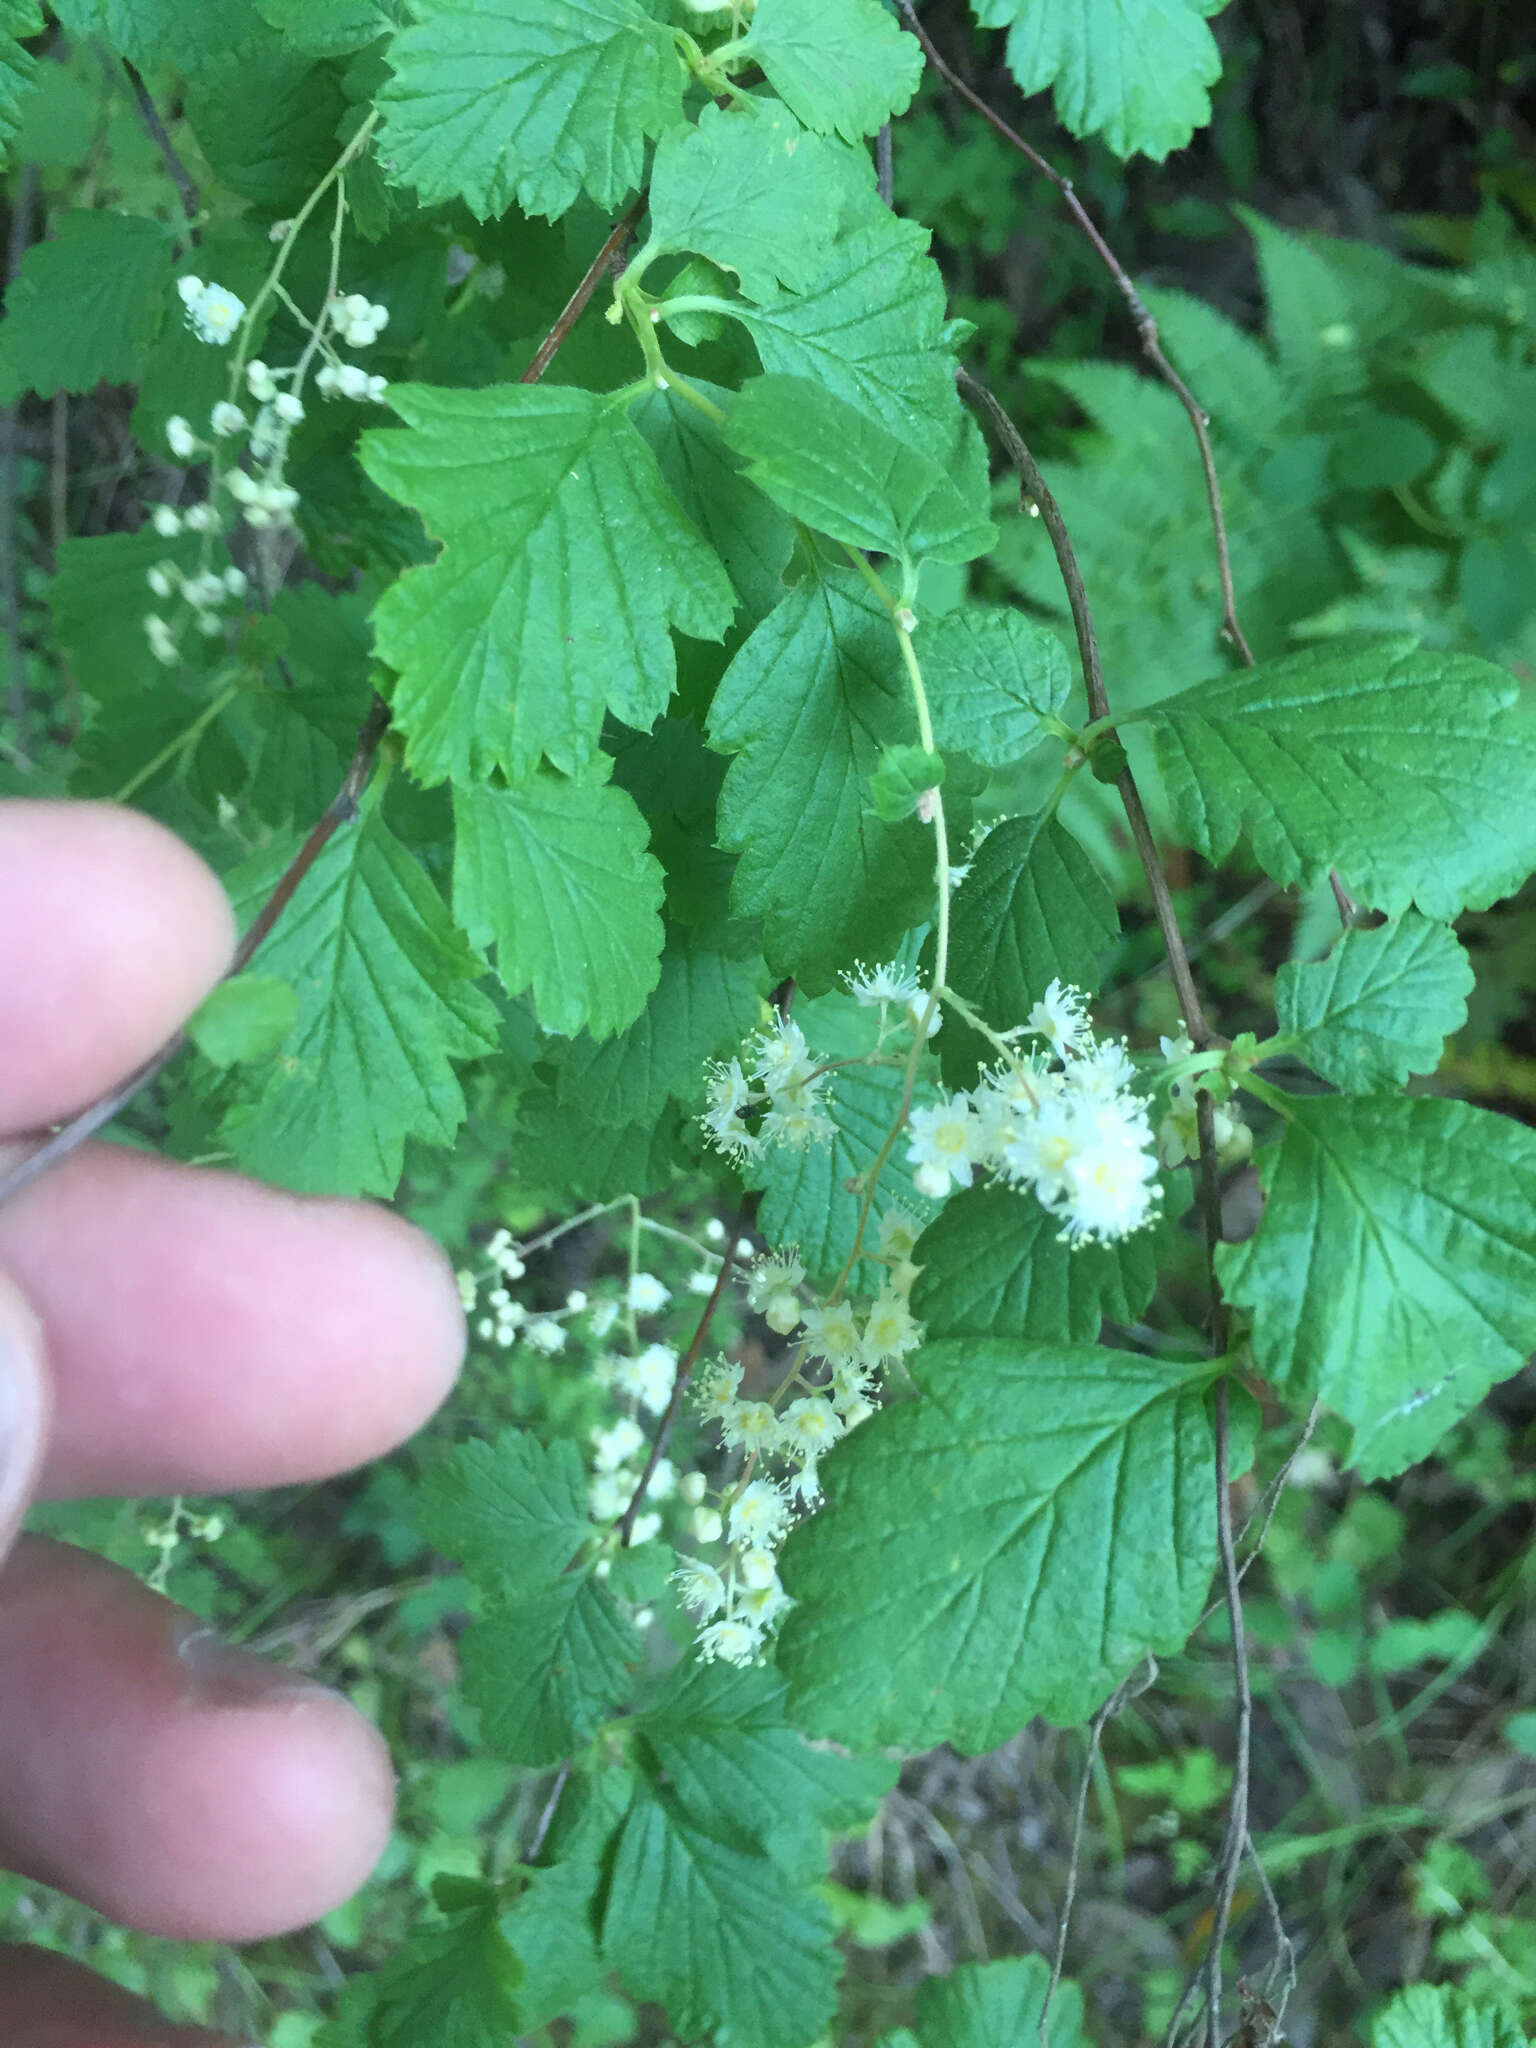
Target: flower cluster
(777,1098)
(842,1353)
(1178,1135)
(1063,1122)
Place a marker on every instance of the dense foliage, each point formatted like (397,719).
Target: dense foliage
(554,560)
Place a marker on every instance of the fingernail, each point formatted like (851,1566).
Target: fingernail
(220,1674)
(21,1405)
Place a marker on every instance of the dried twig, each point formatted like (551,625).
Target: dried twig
(1146,326)
(574,306)
(341,809)
(680,1384)
(159,134)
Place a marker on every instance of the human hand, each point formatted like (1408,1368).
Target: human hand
(167,1329)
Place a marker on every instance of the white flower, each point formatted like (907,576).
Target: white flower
(728,1096)
(714,1231)
(1104,1069)
(703,1281)
(761,1605)
(706,1525)
(180,439)
(758,1570)
(700,1587)
(760,1514)
(781,1057)
(1112,1190)
(226,419)
(609,1495)
(898,1234)
(810,1425)
(1060,1017)
(602,1319)
(260,382)
(166,521)
(944,1141)
(289,409)
(832,1332)
(734,1642)
(161,578)
(889,1331)
(751,1426)
(467,1288)
(645,1294)
(649,1377)
(200,519)
(236,582)
(162,644)
(692,1487)
(213,313)
(796,1119)
(662,1483)
(616,1445)
(891,983)
(546,1336)
(717,1391)
(647,1528)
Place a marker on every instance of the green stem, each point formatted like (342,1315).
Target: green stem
(1275,1098)
(179,745)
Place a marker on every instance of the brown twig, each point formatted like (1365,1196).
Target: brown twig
(1146,326)
(342,807)
(1038,491)
(575,305)
(181,177)
(680,1384)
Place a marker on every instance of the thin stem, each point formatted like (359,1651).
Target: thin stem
(682,1379)
(149,114)
(180,745)
(1235,1839)
(1146,326)
(546,1818)
(576,304)
(343,807)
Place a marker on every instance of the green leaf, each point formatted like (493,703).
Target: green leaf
(327,28)
(1409,770)
(806,1197)
(244,1018)
(563,1155)
(1380,1007)
(870,329)
(829,465)
(557,873)
(18,67)
(715,1935)
(1032,909)
(566,559)
(1438,2016)
(549,1926)
(502,100)
(1136,72)
(386,1002)
(85,306)
(153,32)
(704,1004)
(1010,1545)
(512,1512)
(455,1986)
(749,189)
(993,1265)
(842,65)
(719,1737)
(992,675)
(545,1672)
(807,705)
(747,531)
(266,119)
(998,2005)
(1394,1271)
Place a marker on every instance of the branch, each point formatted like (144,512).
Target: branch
(1146,326)
(1234,1841)
(575,305)
(680,1385)
(181,177)
(341,809)
(1036,488)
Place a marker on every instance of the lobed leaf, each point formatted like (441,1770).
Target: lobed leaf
(546,1671)
(992,676)
(566,560)
(842,65)
(512,1512)
(1011,1544)
(1411,771)
(556,872)
(500,100)
(1394,1271)
(1380,1007)
(86,305)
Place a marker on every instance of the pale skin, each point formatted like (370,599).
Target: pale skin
(168,1329)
